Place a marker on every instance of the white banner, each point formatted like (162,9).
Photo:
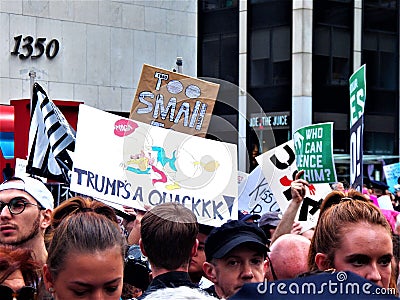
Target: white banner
(279,168)
(128,162)
(257,197)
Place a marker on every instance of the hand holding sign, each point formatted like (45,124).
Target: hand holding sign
(298,187)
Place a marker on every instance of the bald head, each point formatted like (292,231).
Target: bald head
(289,255)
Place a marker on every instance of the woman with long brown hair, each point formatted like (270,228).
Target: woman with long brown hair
(353,235)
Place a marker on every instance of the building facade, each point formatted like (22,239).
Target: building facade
(92,51)
(295,60)
(88,52)
(280,60)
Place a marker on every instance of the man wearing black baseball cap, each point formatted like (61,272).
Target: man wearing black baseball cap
(236,253)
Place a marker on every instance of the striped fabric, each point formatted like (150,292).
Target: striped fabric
(50,136)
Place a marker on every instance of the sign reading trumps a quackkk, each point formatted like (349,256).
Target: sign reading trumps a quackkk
(171,100)
(131,163)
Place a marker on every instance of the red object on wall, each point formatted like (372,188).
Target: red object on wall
(21,107)
(6,118)
(6,132)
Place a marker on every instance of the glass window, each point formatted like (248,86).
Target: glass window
(218,4)
(219,40)
(270,57)
(332,65)
(380,54)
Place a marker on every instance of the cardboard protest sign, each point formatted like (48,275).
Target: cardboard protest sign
(279,168)
(392,174)
(357,103)
(135,164)
(313,145)
(256,197)
(172,100)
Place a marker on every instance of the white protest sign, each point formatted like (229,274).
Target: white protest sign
(242,179)
(385,202)
(279,168)
(20,169)
(256,197)
(135,164)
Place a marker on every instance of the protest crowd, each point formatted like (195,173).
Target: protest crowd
(182,238)
(81,249)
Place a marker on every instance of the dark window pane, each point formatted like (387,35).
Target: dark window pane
(210,51)
(229,56)
(208,5)
(332,55)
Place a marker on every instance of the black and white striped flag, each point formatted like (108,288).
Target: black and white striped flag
(50,136)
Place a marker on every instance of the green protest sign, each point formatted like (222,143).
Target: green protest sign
(357,95)
(357,103)
(314,152)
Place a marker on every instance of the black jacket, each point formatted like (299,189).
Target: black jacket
(169,280)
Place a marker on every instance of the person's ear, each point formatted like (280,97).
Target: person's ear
(322,261)
(194,248)
(266,266)
(209,270)
(142,247)
(46,218)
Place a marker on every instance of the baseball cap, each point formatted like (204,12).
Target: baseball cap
(378,185)
(33,187)
(244,215)
(270,218)
(222,240)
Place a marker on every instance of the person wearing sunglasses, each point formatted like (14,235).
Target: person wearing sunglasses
(25,213)
(352,234)
(19,274)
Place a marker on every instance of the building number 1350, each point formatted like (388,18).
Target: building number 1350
(37,49)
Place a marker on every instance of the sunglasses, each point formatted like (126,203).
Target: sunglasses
(24,293)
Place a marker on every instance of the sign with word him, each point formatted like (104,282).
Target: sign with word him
(279,168)
(171,100)
(357,104)
(314,152)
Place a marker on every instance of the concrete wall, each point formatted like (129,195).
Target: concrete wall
(103,44)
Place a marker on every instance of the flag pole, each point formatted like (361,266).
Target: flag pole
(179,64)
(32,76)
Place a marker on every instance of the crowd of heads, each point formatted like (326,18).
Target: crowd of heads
(79,249)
